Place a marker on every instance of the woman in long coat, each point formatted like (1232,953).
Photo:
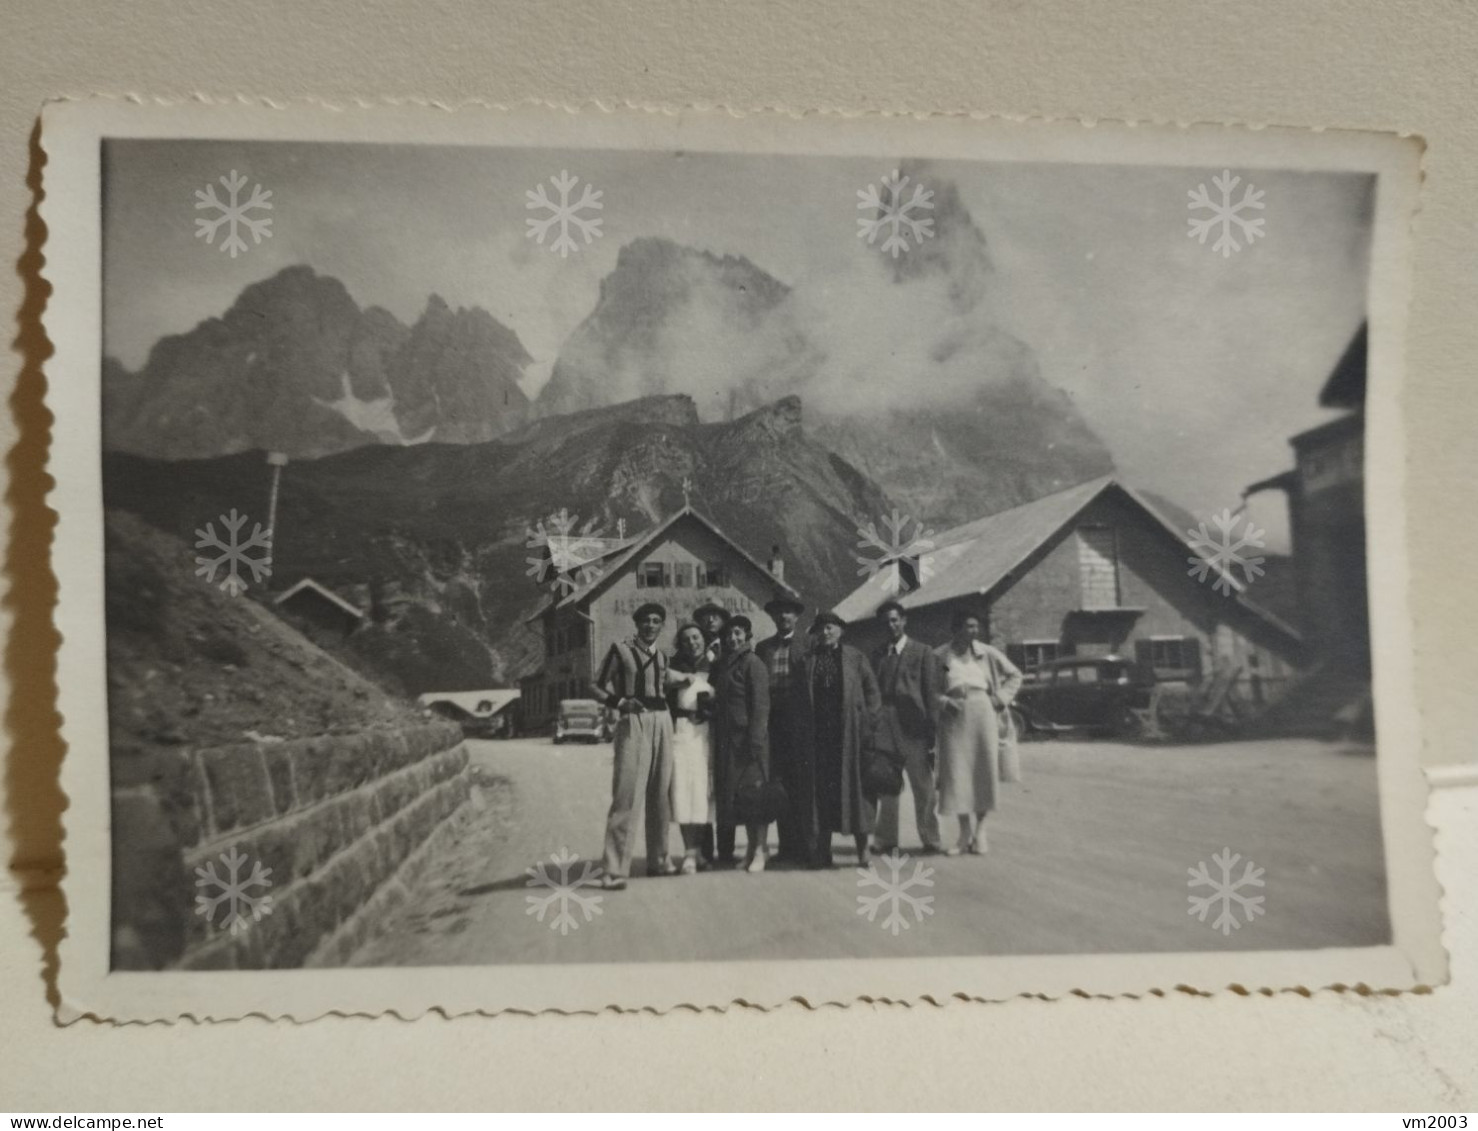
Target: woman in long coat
(979,686)
(741,738)
(844,702)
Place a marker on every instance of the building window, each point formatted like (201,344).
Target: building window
(1037,654)
(1098,566)
(653,575)
(575,636)
(682,575)
(718,574)
(1171,658)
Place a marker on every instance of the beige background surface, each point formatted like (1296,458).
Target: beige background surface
(1405,67)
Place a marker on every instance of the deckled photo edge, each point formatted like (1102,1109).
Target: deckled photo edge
(70,138)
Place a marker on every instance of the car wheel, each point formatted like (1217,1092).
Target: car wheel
(1129,726)
(1025,732)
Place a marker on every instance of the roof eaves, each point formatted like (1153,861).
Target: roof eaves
(1098,487)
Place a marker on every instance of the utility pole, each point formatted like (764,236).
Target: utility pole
(277,461)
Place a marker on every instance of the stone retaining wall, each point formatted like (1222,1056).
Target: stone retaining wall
(339,819)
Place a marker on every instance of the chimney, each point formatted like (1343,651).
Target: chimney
(776,564)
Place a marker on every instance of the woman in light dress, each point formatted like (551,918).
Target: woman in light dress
(690,699)
(979,686)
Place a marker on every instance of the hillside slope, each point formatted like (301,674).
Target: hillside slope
(188,664)
(433,539)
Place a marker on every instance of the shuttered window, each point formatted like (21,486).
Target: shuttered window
(1098,565)
(654,575)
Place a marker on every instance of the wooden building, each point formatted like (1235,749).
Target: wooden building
(681,564)
(481,714)
(1326,515)
(1090,571)
(320,613)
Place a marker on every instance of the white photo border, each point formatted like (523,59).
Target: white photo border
(71,136)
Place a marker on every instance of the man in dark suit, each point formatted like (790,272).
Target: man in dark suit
(911,682)
(784,655)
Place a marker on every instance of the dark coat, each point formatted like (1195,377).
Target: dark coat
(741,724)
(795,699)
(839,793)
(910,697)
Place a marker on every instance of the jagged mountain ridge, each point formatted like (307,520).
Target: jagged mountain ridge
(295,365)
(434,537)
(962,426)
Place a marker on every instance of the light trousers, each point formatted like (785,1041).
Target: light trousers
(641,779)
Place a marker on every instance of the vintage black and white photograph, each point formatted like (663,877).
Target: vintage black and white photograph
(625,548)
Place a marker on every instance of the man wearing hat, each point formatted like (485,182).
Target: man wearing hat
(710,619)
(784,654)
(633,681)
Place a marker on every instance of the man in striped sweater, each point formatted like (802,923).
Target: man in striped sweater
(632,681)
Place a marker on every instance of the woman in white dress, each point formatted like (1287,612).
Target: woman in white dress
(690,699)
(979,686)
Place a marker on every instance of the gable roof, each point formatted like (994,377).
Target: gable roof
(469,701)
(612,563)
(1346,385)
(974,558)
(307,584)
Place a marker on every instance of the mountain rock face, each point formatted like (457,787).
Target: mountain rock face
(433,540)
(672,319)
(904,370)
(296,366)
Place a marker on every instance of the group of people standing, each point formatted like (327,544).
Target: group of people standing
(826,734)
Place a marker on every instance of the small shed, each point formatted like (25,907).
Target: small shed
(324,615)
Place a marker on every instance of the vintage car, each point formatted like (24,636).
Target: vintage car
(580,720)
(1090,694)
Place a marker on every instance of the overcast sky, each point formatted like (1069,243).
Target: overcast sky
(1194,369)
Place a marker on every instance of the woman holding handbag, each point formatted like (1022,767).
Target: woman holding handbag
(979,684)
(743,788)
(844,702)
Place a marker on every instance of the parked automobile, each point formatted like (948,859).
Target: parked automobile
(1097,694)
(580,719)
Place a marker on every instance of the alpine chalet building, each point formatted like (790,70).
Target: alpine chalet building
(683,563)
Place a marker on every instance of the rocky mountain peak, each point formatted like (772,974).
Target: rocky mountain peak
(294,365)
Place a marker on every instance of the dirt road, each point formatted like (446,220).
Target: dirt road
(1090,853)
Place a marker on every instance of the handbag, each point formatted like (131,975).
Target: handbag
(1010,768)
(882,771)
(759,799)
(883,777)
